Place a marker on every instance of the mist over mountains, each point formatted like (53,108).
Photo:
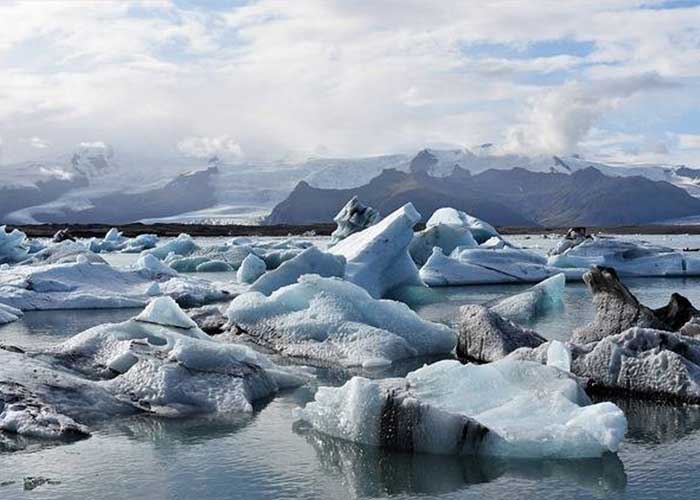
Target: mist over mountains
(97,184)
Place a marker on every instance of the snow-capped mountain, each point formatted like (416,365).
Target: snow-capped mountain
(95,183)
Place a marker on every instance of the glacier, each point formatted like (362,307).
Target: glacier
(333,321)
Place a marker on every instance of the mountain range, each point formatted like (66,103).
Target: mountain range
(95,184)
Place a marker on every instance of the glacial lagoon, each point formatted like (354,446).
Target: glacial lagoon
(268,455)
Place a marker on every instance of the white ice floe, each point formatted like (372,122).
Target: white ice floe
(14,246)
(182,245)
(113,241)
(377,258)
(473,266)
(140,243)
(156,363)
(86,285)
(533,302)
(480,230)
(8,314)
(506,408)
(334,321)
(251,269)
(627,257)
(310,261)
(445,236)
(352,218)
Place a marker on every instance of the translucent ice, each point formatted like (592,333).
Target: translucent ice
(534,302)
(251,269)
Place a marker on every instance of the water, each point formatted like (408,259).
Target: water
(266,455)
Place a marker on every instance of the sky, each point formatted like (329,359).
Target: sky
(615,80)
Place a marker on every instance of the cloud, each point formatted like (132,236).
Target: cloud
(559,119)
(689,141)
(223,146)
(356,77)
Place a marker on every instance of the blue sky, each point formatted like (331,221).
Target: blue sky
(617,80)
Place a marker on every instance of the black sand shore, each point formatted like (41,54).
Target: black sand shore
(173,229)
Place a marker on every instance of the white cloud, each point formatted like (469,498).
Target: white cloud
(689,141)
(358,77)
(223,146)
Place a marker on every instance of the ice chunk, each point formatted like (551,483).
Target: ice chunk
(182,245)
(63,252)
(335,321)
(523,409)
(113,241)
(8,314)
(153,268)
(310,261)
(445,236)
(140,243)
(164,311)
(473,266)
(558,355)
(480,230)
(353,217)
(251,269)
(485,336)
(84,285)
(534,302)
(627,257)
(377,258)
(13,246)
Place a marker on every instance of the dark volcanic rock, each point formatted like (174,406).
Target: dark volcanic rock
(616,308)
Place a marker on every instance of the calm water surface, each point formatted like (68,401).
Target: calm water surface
(266,455)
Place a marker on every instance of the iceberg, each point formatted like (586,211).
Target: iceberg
(140,243)
(13,246)
(480,230)
(330,320)
(158,363)
(310,261)
(506,408)
(8,314)
(542,298)
(352,218)
(64,252)
(377,258)
(474,266)
(628,258)
(251,269)
(113,241)
(444,236)
(182,245)
(87,285)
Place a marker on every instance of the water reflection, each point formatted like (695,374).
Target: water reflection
(371,472)
(650,422)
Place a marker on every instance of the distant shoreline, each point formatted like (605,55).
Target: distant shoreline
(212,230)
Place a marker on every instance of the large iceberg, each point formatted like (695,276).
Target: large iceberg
(251,269)
(473,266)
(443,236)
(352,218)
(158,363)
(310,261)
(627,257)
(87,285)
(506,408)
(13,246)
(480,230)
(334,321)
(377,258)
